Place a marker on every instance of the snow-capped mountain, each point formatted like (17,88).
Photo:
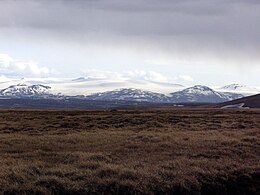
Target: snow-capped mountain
(130,90)
(193,94)
(89,85)
(237,88)
(201,93)
(24,90)
(129,94)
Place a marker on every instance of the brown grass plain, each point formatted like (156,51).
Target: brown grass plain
(133,151)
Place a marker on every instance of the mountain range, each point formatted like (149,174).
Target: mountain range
(194,94)
(88,85)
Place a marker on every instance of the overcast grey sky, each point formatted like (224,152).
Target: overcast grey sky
(212,42)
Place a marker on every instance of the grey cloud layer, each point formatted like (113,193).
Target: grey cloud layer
(209,24)
(165,17)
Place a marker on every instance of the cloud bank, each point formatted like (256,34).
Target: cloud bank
(15,67)
(127,75)
(210,36)
(203,26)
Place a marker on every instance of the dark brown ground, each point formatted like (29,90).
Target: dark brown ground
(157,151)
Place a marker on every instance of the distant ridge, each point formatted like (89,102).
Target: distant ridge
(79,79)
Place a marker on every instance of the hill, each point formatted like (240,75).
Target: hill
(251,102)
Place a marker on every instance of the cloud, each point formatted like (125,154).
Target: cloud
(157,62)
(101,74)
(146,75)
(186,78)
(104,34)
(126,75)
(15,67)
(3,78)
(188,25)
(5,60)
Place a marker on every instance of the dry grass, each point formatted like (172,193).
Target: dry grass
(156,151)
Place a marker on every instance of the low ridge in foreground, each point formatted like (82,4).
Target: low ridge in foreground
(249,102)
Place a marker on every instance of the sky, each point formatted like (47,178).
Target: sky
(210,42)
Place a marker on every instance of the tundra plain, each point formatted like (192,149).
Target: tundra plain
(131,151)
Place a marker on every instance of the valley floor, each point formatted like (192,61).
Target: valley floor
(141,151)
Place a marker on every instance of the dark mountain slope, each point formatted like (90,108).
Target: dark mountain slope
(251,102)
